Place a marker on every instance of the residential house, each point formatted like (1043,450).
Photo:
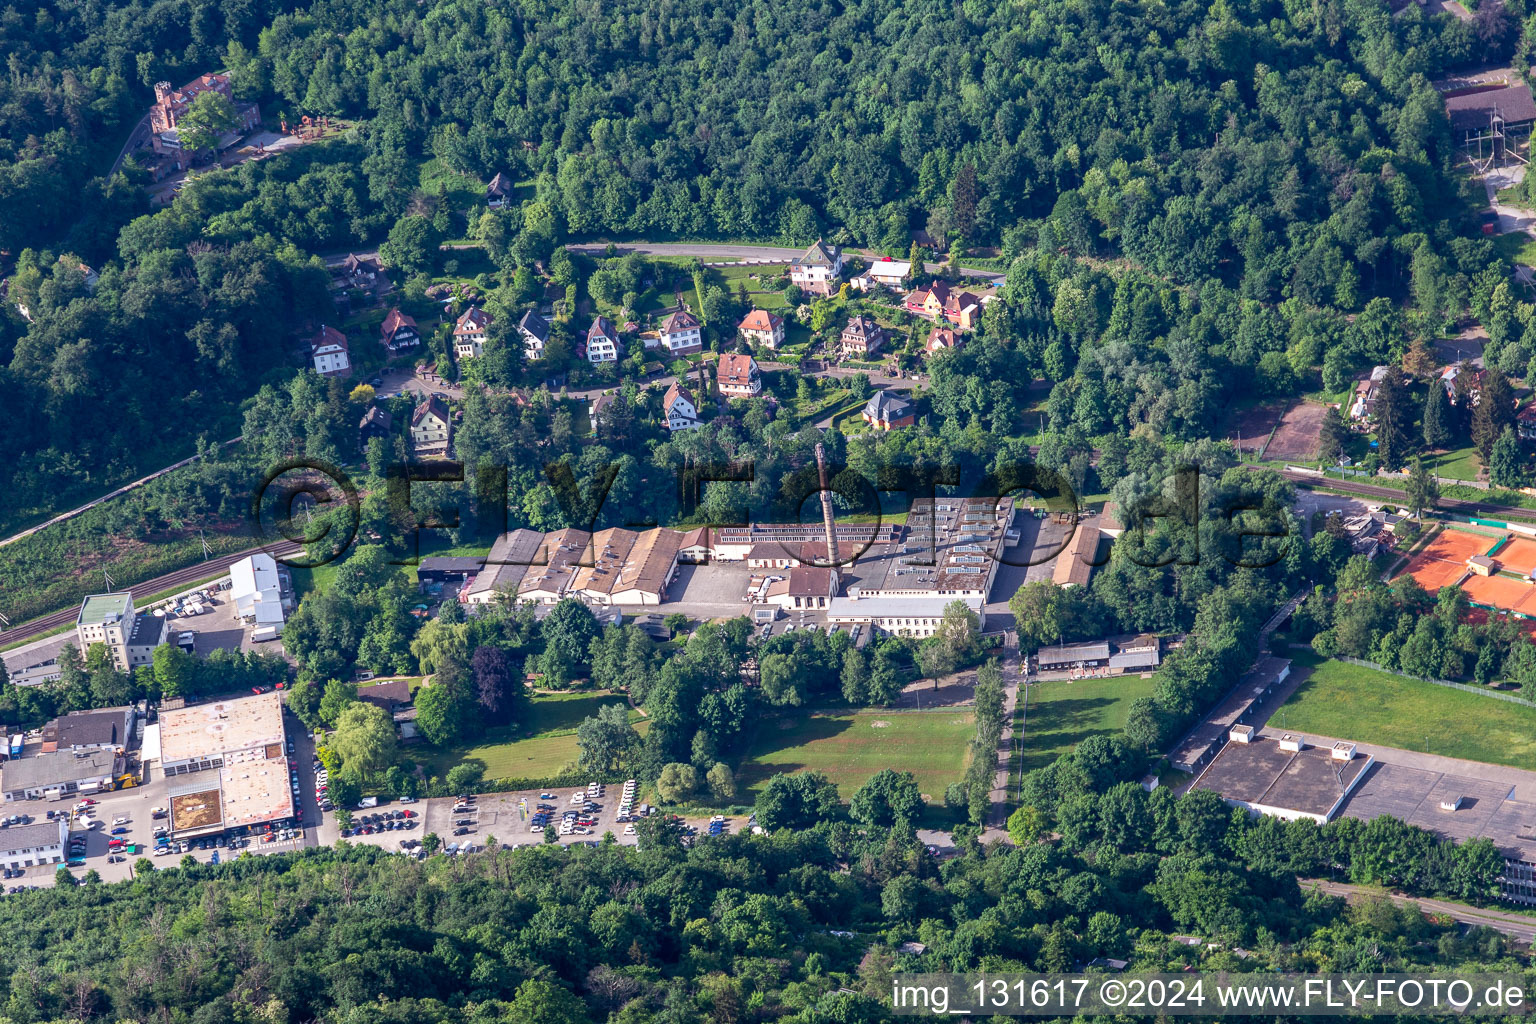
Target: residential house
(1363,406)
(499,192)
(680,334)
(602,341)
(376,422)
(431,428)
(942,339)
(681,411)
(818,269)
(399,332)
(737,376)
(761,327)
(886,410)
(328,349)
(884,273)
(1525,423)
(601,409)
(469,333)
(1471,381)
(362,272)
(939,301)
(534,330)
(862,338)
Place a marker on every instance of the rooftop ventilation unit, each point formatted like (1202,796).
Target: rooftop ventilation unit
(1241,734)
(1295,744)
(1452,803)
(1343,751)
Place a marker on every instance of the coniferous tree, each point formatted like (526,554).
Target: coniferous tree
(1437,417)
(1495,410)
(1393,419)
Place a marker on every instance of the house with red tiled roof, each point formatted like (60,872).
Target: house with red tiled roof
(398,332)
(469,333)
(602,341)
(328,350)
(737,376)
(942,339)
(679,408)
(939,301)
(761,327)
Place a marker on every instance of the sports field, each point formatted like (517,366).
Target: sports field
(541,744)
(1504,592)
(1353,702)
(849,747)
(1518,554)
(1064,712)
(1443,560)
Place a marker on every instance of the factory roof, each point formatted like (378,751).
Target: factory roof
(209,730)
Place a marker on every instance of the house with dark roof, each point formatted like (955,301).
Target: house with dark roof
(359,271)
(680,334)
(808,586)
(602,341)
(391,695)
(862,338)
(886,410)
(534,330)
(761,327)
(376,422)
(102,729)
(431,428)
(398,332)
(1481,117)
(498,192)
(328,350)
(817,270)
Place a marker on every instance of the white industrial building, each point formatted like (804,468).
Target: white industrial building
(256,587)
(42,842)
(915,616)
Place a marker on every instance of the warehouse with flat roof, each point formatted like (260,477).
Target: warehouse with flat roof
(225,763)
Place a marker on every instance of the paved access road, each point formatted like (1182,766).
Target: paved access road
(717,251)
(1521,927)
(1387,494)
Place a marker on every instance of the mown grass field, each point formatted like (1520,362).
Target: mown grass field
(850,747)
(1061,713)
(541,744)
(1370,706)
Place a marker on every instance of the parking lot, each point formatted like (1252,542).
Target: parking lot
(217,627)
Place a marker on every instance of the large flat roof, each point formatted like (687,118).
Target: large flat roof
(208,730)
(1309,781)
(1265,673)
(99,608)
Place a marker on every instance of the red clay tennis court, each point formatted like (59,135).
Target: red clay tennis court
(1444,559)
(1512,595)
(1518,554)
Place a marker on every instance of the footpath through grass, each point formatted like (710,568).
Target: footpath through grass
(850,747)
(541,744)
(1352,702)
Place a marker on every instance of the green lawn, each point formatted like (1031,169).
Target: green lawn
(542,744)
(1458,464)
(1370,706)
(1061,713)
(850,747)
(1517,246)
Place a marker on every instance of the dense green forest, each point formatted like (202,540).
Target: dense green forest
(1258,172)
(790,926)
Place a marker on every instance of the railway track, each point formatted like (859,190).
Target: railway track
(190,574)
(1480,509)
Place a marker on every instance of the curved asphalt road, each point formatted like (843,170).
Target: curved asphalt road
(721,251)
